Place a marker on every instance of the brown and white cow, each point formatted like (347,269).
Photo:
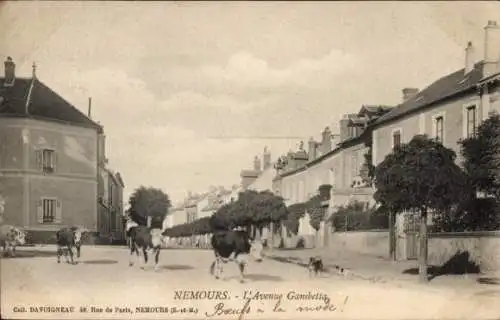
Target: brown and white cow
(142,238)
(67,239)
(10,237)
(237,242)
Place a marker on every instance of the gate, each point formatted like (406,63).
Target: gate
(411,229)
(411,246)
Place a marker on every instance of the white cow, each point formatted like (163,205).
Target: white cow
(10,237)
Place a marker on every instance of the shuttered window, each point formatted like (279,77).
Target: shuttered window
(46,160)
(439,128)
(471,121)
(396,139)
(49,210)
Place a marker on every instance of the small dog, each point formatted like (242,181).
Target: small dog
(315,266)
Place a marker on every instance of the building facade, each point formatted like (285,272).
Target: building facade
(49,158)
(110,207)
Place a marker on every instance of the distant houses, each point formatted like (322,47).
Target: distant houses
(53,165)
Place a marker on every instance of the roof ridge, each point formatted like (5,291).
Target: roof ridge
(449,89)
(67,102)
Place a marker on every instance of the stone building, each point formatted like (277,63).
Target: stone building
(49,158)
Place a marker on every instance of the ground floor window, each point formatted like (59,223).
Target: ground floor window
(49,210)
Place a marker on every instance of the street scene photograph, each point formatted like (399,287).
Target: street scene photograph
(249,160)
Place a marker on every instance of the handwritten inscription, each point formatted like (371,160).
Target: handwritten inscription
(259,302)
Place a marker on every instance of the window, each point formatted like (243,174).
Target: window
(439,128)
(471,121)
(396,139)
(49,210)
(48,160)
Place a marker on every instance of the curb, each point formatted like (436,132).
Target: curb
(330,269)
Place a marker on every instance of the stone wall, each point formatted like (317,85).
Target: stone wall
(475,249)
(479,248)
(364,242)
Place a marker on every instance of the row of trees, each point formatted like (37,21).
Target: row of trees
(252,210)
(422,176)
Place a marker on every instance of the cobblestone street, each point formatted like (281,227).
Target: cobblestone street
(103,279)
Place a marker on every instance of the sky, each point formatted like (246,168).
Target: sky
(189,92)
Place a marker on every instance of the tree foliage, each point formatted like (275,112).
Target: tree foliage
(295,212)
(252,208)
(316,211)
(420,175)
(481,155)
(148,202)
(357,215)
(198,227)
(474,215)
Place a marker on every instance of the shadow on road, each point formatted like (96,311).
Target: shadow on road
(258,277)
(490,281)
(32,254)
(176,267)
(102,261)
(459,264)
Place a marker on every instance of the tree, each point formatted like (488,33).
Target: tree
(420,176)
(481,155)
(316,211)
(149,202)
(296,211)
(251,209)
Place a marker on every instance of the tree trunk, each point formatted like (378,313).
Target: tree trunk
(257,232)
(271,236)
(422,258)
(392,236)
(149,221)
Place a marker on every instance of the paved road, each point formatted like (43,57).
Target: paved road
(103,278)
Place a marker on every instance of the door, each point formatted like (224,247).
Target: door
(411,246)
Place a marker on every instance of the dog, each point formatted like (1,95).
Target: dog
(315,266)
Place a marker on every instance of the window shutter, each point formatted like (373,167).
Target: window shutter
(39,211)
(58,217)
(39,161)
(55,161)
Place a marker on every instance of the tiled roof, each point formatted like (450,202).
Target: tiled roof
(448,86)
(44,104)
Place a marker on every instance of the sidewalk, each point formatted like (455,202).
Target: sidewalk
(368,267)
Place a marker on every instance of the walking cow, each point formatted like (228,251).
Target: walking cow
(225,243)
(143,238)
(10,237)
(67,239)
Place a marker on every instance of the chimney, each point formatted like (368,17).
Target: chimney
(326,140)
(312,149)
(256,163)
(409,93)
(10,72)
(491,48)
(90,108)
(266,159)
(344,129)
(469,58)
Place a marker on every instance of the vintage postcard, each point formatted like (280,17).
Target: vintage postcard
(249,160)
